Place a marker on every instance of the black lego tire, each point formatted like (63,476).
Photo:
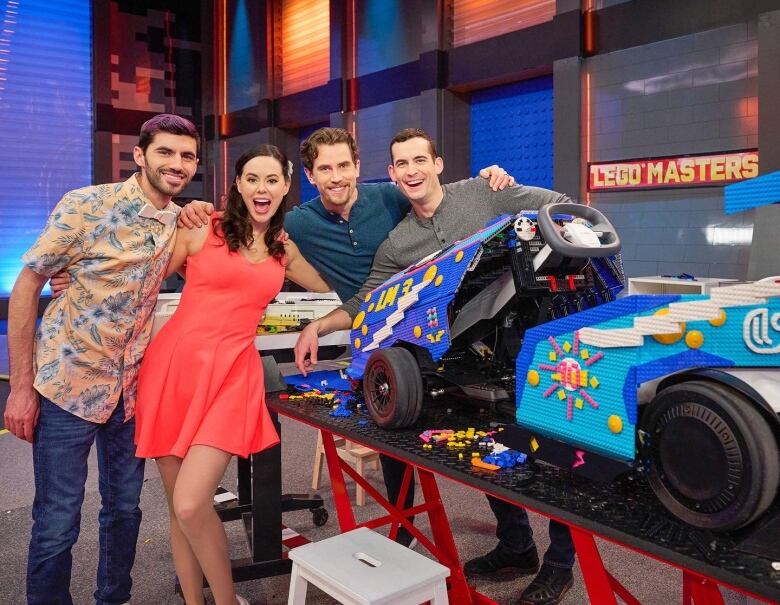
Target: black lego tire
(392,388)
(714,461)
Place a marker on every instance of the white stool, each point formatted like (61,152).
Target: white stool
(362,567)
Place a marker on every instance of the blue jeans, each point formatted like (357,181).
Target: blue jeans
(514,533)
(60,450)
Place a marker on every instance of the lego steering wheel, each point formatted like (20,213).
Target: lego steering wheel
(554,234)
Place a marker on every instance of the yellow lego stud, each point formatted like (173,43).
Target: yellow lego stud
(694,339)
(594,382)
(459,256)
(533,378)
(364,330)
(430,273)
(534,444)
(578,403)
(475,454)
(370,307)
(357,343)
(584,353)
(556,376)
(567,346)
(615,424)
(561,394)
(719,320)
(583,378)
(417,331)
(672,337)
(552,356)
(357,322)
(367,298)
(439,279)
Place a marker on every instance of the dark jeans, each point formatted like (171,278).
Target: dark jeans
(514,533)
(393,471)
(60,451)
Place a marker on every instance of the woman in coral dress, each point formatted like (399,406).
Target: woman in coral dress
(201,396)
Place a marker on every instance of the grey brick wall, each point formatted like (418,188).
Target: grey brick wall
(376,126)
(693,94)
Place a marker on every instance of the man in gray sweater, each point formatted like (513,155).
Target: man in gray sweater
(441,215)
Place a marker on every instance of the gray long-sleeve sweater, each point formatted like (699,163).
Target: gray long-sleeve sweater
(466,208)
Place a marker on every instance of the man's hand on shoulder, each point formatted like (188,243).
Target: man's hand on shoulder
(59,282)
(195,214)
(498,178)
(306,348)
(21,412)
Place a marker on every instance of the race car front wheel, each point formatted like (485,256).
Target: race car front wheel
(392,388)
(714,460)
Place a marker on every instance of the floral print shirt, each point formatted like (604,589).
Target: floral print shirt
(91,339)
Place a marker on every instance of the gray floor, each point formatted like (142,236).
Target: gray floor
(651,582)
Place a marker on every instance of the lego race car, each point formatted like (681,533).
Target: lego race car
(523,316)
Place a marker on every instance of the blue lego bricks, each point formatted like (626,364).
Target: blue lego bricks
(328,380)
(412,305)
(506,459)
(512,125)
(759,191)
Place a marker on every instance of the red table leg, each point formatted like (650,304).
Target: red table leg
(700,591)
(337,484)
(597,580)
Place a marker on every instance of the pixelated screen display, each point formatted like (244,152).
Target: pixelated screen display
(46,117)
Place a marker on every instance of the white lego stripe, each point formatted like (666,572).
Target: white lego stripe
(406,301)
(697,310)
(619,337)
(655,324)
(693,310)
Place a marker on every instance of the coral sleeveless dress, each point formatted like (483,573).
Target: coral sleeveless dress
(201,380)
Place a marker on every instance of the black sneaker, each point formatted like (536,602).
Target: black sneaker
(548,587)
(502,564)
(405,538)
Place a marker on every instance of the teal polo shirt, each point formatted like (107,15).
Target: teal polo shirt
(343,250)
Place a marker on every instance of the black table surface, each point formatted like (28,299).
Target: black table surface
(625,511)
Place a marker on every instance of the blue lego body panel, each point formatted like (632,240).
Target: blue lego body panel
(577,377)
(412,305)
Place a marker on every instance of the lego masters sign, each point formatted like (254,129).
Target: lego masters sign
(688,171)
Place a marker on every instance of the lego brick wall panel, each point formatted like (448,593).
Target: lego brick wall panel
(688,95)
(512,125)
(246,73)
(155,58)
(304,61)
(46,116)
(692,94)
(155,67)
(668,232)
(376,126)
(308,191)
(381,24)
(475,20)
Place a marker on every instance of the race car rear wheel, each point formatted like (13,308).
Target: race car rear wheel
(392,388)
(714,461)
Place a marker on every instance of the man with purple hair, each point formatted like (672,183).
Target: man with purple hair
(73,382)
